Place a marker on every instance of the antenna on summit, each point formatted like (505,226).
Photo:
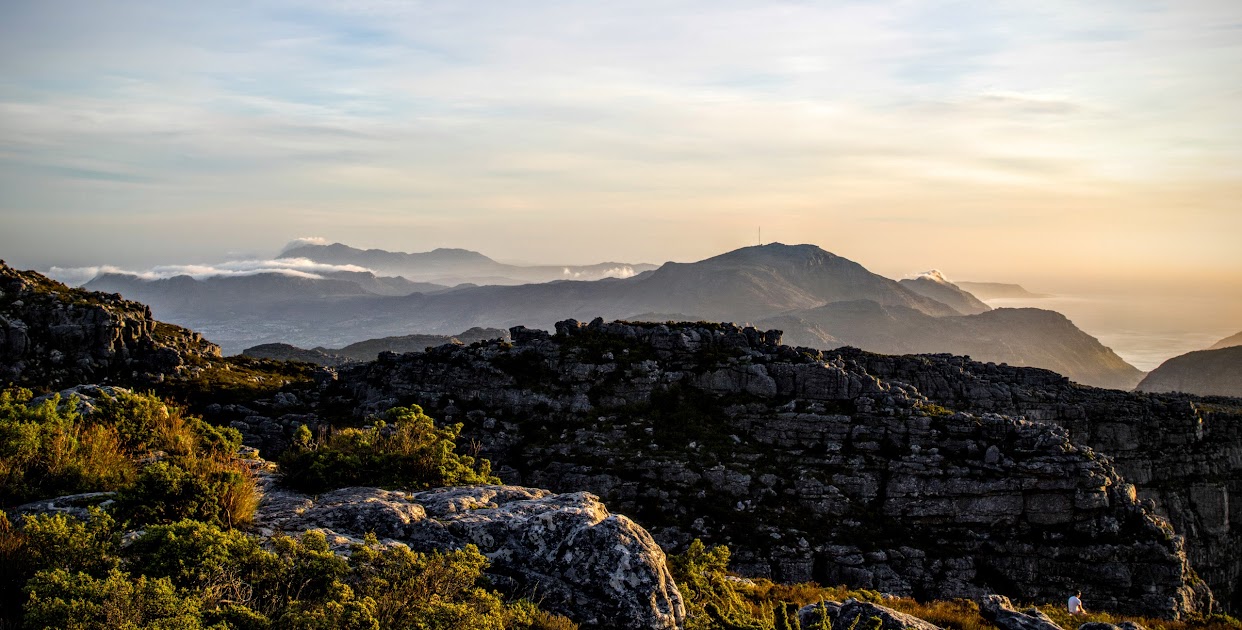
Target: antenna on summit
(761,235)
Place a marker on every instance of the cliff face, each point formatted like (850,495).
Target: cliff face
(1182,452)
(808,468)
(52,335)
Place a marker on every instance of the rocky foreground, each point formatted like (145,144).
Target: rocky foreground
(600,569)
(928,476)
(55,336)
(807,465)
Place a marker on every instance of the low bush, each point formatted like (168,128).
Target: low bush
(404,449)
(214,491)
(49,450)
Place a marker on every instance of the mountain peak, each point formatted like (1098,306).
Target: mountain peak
(935,275)
(773,253)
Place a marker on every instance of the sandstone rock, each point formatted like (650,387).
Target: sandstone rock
(53,336)
(1166,445)
(856,614)
(600,569)
(814,615)
(75,505)
(998,610)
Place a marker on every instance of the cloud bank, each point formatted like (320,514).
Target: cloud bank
(623,271)
(297,267)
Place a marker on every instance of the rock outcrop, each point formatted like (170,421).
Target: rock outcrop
(855,614)
(1203,372)
(600,569)
(998,610)
(808,466)
(1183,453)
(52,335)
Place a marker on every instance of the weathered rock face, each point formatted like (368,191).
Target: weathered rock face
(52,335)
(1182,452)
(808,469)
(597,568)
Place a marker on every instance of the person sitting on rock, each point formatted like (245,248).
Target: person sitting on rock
(1075,604)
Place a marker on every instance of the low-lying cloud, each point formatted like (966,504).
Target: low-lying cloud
(623,271)
(302,241)
(297,267)
(932,274)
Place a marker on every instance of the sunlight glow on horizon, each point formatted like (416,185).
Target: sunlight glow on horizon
(1047,143)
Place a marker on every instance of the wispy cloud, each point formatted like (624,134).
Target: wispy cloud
(610,129)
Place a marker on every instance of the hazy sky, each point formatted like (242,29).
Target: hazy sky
(1060,144)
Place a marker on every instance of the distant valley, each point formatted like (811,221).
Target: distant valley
(819,299)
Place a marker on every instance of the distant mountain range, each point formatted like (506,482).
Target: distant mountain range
(934,285)
(1228,342)
(818,298)
(1216,371)
(457,266)
(225,294)
(993,290)
(1026,337)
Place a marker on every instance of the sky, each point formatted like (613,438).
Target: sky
(1070,146)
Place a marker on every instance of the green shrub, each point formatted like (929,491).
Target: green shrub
(411,453)
(208,490)
(146,423)
(70,601)
(48,450)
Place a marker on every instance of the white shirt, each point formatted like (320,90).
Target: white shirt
(1075,604)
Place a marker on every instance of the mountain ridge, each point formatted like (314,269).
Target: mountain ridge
(1228,342)
(752,284)
(445,265)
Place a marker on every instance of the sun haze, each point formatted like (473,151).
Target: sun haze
(1061,144)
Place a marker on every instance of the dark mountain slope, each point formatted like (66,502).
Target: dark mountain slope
(1203,372)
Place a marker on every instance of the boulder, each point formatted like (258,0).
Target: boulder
(814,615)
(566,550)
(998,610)
(855,614)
